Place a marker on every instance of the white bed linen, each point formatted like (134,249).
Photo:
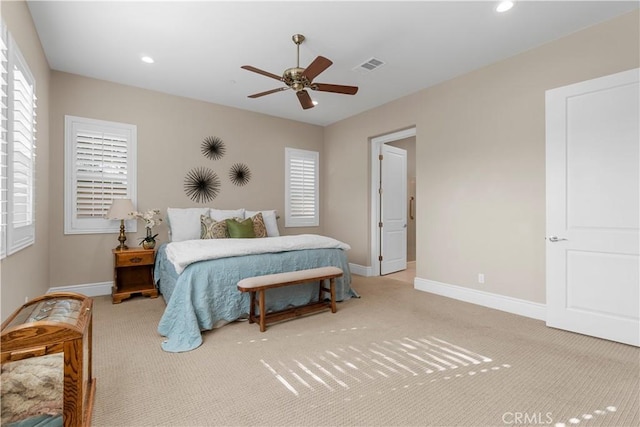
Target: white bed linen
(181,254)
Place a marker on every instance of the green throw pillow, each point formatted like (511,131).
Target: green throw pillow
(240,229)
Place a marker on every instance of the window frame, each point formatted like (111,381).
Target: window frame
(96,225)
(291,219)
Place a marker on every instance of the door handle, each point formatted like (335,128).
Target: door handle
(556,239)
(411,201)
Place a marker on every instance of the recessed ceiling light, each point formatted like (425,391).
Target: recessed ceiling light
(147,59)
(504,6)
(314,102)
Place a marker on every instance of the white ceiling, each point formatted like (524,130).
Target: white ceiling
(199,47)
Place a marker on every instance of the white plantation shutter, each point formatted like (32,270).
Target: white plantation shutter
(100,166)
(18,148)
(101,173)
(301,188)
(23,152)
(4,158)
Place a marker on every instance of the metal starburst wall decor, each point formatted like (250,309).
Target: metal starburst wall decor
(213,148)
(202,185)
(239,174)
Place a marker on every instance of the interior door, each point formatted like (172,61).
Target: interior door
(393,206)
(593,210)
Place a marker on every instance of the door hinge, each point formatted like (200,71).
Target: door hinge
(379,257)
(380,157)
(380,190)
(380,224)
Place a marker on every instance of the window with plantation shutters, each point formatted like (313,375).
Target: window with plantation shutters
(99,167)
(17,148)
(301,188)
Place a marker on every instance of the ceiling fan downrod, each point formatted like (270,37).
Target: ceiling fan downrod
(298,39)
(293,77)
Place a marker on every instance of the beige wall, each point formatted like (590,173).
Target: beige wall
(480,162)
(170,131)
(25,274)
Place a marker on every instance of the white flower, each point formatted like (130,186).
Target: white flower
(149,217)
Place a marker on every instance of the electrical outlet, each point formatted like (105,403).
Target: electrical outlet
(481,278)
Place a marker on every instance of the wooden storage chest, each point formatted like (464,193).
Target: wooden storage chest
(57,323)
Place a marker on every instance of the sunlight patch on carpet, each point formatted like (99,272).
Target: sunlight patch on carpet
(586,417)
(344,367)
(331,331)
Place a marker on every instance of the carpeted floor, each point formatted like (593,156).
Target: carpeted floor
(395,357)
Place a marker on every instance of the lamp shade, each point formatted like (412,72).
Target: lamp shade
(120,209)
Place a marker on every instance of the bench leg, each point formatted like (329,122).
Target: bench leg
(332,293)
(252,307)
(263,311)
(332,287)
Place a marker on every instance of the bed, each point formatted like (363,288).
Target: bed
(198,280)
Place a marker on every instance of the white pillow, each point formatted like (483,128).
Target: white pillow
(184,223)
(270,221)
(220,214)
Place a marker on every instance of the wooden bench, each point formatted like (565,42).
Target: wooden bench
(260,284)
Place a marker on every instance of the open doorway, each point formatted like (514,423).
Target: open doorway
(406,141)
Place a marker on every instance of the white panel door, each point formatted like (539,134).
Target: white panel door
(393,236)
(593,188)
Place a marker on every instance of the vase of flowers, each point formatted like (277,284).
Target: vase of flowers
(150,219)
(149,242)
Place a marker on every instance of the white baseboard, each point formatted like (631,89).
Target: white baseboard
(89,289)
(521,307)
(360,270)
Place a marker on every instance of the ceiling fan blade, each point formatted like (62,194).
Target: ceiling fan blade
(258,95)
(316,67)
(324,87)
(259,71)
(305,99)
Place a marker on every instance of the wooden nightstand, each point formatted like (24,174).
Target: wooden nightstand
(133,273)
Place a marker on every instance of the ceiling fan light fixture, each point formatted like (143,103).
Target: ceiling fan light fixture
(504,6)
(315,102)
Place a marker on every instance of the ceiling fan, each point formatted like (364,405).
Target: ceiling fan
(299,79)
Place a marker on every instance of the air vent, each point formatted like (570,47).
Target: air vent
(369,65)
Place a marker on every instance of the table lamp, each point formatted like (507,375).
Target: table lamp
(121,209)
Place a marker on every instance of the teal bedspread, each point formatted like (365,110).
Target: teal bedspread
(205,295)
